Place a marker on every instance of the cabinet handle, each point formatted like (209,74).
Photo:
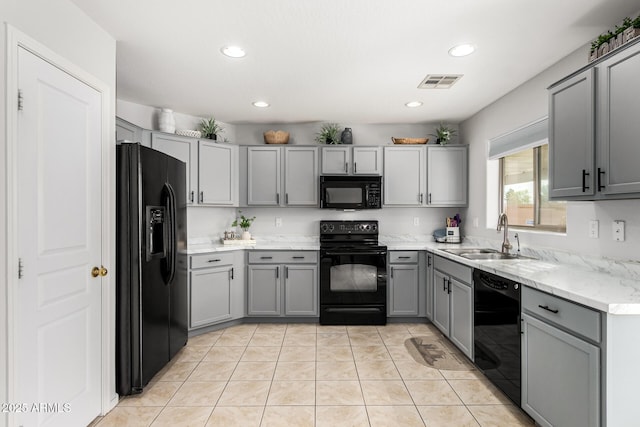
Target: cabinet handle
(266,257)
(278,198)
(346,167)
(585,174)
(191,197)
(444,284)
(201,196)
(546,307)
(428,260)
(298,257)
(420,198)
(286,272)
(448,286)
(277,272)
(215,260)
(286,198)
(232,273)
(600,173)
(355,167)
(429,202)
(392,272)
(404,257)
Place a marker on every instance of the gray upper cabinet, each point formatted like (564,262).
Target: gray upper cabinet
(184,149)
(301,176)
(217,174)
(367,161)
(282,176)
(263,176)
(126,131)
(351,160)
(447,175)
(593,130)
(404,176)
(336,160)
(571,137)
(617,125)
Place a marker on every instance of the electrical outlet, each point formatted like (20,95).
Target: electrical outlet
(618,230)
(476,222)
(416,221)
(278,222)
(593,228)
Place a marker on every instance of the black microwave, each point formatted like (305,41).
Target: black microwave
(350,192)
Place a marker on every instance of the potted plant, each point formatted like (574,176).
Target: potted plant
(245,224)
(329,134)
(211,128)
(443,134)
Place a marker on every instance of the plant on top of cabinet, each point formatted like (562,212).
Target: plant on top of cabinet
(211,128)
(329,134)
(609,41)
(443,134)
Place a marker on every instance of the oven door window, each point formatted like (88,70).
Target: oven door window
(354,278)
(343,196)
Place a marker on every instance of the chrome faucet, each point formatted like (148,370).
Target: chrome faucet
(504,221)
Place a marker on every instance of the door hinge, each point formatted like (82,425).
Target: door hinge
(20,267)
(20,100)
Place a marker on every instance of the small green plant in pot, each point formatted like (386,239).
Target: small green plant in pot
(444,133)
(244,223)
(329,134)
(210,128)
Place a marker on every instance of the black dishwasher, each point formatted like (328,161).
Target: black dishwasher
(496,331)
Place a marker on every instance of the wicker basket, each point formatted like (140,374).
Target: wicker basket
(409,140)
(276,137)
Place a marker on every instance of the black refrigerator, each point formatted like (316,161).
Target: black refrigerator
(151,278)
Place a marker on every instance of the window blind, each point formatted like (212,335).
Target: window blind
(532,135)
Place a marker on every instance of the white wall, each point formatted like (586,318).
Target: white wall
(522,106)
(63,28)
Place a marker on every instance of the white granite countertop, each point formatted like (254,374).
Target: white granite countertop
(606,285)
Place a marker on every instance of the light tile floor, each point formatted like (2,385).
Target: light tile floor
(311,375)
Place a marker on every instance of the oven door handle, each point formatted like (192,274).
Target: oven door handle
(340,253)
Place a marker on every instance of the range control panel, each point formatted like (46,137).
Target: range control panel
(348,227)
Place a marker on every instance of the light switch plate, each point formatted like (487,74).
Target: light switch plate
(278,222)
(593,228)
(618,230)
(416,221)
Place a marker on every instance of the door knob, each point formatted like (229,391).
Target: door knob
(98,271)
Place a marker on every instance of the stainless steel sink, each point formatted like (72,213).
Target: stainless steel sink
(483,254)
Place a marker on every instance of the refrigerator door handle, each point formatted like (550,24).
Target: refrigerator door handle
(171,235)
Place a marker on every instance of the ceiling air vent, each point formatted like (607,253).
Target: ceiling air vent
(439,81)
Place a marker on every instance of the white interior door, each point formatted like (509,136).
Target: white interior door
(58,314)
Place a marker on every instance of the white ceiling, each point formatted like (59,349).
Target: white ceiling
(349,61)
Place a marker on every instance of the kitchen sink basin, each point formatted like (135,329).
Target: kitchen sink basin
(483,254)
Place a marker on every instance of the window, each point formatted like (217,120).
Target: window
(524,196)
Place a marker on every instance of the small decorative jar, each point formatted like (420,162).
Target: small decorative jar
(347,136)
(166,122)
(246,235)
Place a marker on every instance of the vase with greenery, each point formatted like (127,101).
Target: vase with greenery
(329,134)
(244,223)
(210,128)
(444,133)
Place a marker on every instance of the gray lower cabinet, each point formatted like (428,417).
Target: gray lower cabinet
(214,289)
(453,302)
(560,361)
(282,283)
(403,284)
(282,176)
(429,287)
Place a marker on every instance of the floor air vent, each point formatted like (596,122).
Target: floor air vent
(439,81)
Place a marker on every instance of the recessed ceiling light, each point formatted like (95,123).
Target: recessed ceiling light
(233,51)
(413,104)
(261,104)
(462,50)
